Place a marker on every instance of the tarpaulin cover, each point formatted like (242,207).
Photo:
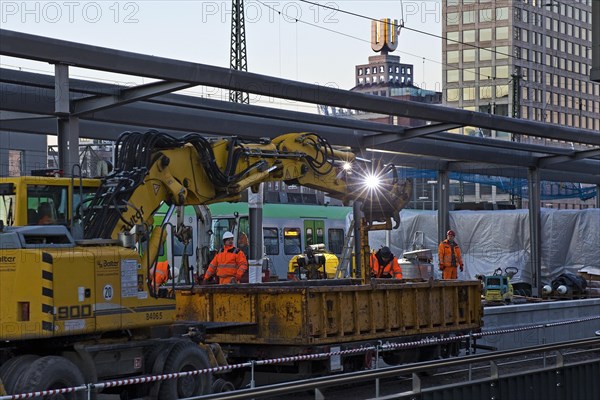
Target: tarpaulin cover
(570,240)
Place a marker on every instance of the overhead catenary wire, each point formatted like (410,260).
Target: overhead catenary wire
(405,27)
(402,25)
(298,20)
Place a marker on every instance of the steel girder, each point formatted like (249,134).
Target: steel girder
(175,113)
(108,124)
(378,134)
(29,84)
(56,51)
(104,112)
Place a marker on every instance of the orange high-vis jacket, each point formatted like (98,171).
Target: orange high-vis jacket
(390,270)
(445,259)
(230,262)
(161,273)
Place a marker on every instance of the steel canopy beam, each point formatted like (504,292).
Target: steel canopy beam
(89,129)
(39,48)
(576,155)
(380,139)
(20,116)
(225,123)
(222,122)
(106,130)
(128,95)
(26,85)
(27,98)
(375,129)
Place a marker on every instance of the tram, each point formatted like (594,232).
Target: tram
(287,230)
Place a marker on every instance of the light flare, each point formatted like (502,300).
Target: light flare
(372,182)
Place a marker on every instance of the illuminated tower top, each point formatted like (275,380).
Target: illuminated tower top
(384,35)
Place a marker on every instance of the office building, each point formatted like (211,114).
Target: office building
(522,58)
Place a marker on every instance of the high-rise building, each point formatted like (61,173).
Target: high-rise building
(523,58)
(595,71)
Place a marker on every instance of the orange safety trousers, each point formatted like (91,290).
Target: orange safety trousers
(450,273)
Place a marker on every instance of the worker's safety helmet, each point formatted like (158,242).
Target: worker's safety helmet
(227,235)
(450,232)
(385,252)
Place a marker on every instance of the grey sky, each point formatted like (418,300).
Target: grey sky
(198,31)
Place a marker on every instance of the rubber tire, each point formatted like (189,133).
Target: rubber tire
(52,372)
(154,363)
(13,369)
(185,356)
(221,386)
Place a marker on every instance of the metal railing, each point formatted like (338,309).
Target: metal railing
(388,372)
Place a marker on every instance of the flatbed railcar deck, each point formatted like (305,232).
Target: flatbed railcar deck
(331,312)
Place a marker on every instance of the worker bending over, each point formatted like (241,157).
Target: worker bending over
(449,257)
(160,274)
(230,263)
(385,265)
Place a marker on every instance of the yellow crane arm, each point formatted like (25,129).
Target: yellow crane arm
(152,168)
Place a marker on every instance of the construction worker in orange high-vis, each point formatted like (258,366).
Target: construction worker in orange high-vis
(449,257)
(385,265)
(160,273)
(230,263)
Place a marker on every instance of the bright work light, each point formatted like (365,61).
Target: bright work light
(372,181)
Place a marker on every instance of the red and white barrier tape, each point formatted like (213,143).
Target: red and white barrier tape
(386,346)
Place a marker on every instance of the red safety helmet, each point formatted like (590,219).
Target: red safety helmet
(450,232)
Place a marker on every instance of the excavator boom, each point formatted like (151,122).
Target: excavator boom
(153,167)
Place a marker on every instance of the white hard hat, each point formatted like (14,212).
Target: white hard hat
(227,235)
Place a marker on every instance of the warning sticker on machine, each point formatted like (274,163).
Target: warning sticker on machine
(129,279)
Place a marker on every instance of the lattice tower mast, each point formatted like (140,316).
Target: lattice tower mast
(238,58)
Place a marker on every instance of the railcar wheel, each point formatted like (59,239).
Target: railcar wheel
(430,353)
(221,386)
(184,357)
(237,377)
(13,369)
(52,372)
(450,350)
(397,357)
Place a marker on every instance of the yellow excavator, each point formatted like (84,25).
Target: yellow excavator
(79,308)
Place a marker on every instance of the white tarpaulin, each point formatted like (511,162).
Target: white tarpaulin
(570,240)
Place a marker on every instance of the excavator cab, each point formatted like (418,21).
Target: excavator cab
(43,200)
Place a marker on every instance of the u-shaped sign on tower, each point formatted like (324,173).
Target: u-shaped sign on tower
(384,35)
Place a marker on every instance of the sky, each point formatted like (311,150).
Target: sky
(322,47)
